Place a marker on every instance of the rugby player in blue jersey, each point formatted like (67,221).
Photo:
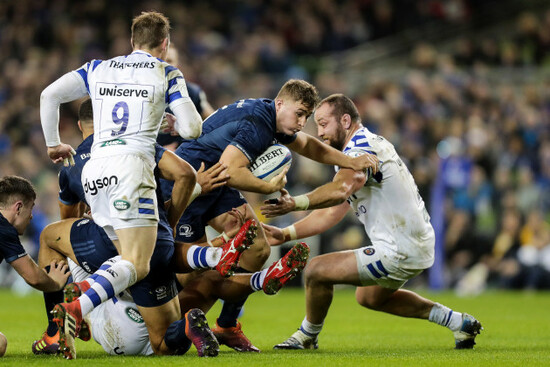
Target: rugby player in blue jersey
(88,245)
(17,196)
(235,135)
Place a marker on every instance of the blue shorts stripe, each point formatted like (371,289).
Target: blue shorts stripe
(94,297)
(373,271)
(145,201)
(103,282)
(146,211)
(382,268)
(202,257)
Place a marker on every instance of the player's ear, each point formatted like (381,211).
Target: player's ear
(79,125)
(345,120)
(278,104)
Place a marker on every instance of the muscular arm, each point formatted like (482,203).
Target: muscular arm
(72,211)
(240,176)
(175,169)
(312,148)
(345,183)
(37,278)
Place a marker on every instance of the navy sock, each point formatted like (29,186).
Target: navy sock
(50,300)
(231,310)
(176,339)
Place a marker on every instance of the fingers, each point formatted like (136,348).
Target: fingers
(201,168)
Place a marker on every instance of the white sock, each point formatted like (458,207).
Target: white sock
(257,279)
(106,265)
(444,316)
(310,329)
(108,282)
(203,257)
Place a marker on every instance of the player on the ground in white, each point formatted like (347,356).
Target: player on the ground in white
(395,219)
(129,94)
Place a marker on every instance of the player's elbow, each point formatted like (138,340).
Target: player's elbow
(342,193)
(192,130)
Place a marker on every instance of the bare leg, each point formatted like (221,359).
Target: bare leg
(321,274)
(55,242)
(399,302)
(158,319)
(136,246)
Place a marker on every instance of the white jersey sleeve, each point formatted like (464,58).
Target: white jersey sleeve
(65,89)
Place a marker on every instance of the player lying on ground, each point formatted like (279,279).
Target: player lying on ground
(395,219)
(118,325)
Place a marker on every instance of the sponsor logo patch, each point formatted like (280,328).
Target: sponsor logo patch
(161,292)
(185,230)
(134,315)
(93,186)
(113,142)
(121,204)
(369,251)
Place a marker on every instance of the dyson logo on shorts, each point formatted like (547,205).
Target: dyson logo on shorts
(95,185)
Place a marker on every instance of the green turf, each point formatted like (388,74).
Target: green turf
(517,333)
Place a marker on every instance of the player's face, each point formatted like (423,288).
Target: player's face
(23,218)
(291,116)
(329,129)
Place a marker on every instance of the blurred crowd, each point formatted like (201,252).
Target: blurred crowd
(472,121)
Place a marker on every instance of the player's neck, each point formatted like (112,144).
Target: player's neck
(349,134)
(154,52)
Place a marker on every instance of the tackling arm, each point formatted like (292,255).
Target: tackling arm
(188,122)
(312,148)
(37,278)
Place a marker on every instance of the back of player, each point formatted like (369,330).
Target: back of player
(403,226)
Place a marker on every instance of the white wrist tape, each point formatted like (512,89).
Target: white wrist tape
(301,202)
(197,190)
(292,232)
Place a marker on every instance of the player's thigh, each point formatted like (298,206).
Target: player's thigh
(57,236)
(137,243)
(158,318)
(373,296)
(334,268)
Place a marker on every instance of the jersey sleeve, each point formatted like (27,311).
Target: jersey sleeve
(10,245)
(176,89)
(66,195)
(250,141)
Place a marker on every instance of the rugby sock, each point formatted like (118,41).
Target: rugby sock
(231,310)
(176,339)
(50,300)
(444,316)
(108,282)
(106,265)
(310,329)
(257,280)
(199,257)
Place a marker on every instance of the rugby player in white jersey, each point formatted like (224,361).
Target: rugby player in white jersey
(395,219)
(129,95)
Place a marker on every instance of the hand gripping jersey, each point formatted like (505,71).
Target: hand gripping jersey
(392,211)
(129,95)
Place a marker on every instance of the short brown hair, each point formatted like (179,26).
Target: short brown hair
(302,91)
(149,29)
(85,111)
(14,188)
(342,105)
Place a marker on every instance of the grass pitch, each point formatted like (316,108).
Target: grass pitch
(517,333)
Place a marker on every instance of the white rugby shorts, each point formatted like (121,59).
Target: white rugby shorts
(121,191)
(378,265)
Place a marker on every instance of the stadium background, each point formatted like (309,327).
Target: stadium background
(461,87)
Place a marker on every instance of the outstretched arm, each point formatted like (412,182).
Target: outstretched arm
(313,148)
(37,278)
(316,222)
(345,183)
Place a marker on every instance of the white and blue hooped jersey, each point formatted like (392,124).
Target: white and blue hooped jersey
(129,96)
(390,207)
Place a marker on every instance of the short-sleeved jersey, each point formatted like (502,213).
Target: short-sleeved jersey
(391,209)
(70,186)
(129,96)
(248,124)
(10,245)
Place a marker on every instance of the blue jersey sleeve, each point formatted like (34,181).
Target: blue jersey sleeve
(10,245)
(66,195)
(250,140)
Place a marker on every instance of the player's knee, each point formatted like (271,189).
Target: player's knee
(142,270)
(369,301)
(313,271)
